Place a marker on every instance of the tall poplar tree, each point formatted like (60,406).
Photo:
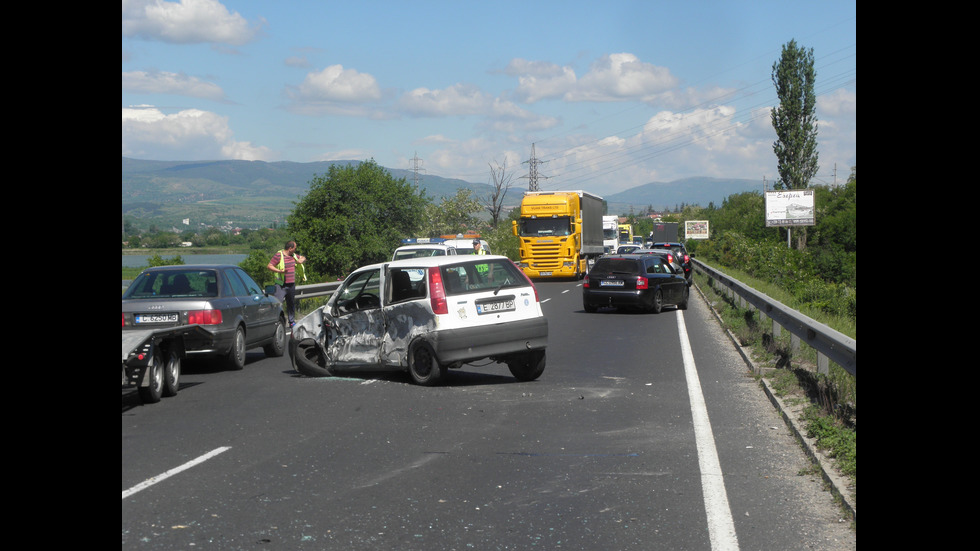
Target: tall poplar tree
(795,118)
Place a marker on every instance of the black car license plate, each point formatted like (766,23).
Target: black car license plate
(611,283)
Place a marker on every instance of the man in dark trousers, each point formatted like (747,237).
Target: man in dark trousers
(283,264)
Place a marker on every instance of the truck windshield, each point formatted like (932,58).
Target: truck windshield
(535,227)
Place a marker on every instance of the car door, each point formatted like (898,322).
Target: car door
(406,312)
(357,327)
(255,311)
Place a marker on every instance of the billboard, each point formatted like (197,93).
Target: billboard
(695,229)
(790,207)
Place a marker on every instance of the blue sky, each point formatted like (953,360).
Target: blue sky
(612,94)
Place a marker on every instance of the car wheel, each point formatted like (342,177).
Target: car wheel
(151,394)
(277,347)
(529,366)
(658,302)
(423,365)
(309,359)
(236,356)
(171,374)
(590,308)
(687,296)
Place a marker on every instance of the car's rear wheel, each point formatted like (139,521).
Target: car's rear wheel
(236,356)
(528,367)
(687,297)
(658,302)
(151,393)
(171,374)
(277,347)
(423,365)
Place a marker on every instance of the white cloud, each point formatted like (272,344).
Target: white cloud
(185,22)
(192,134)
(617,77)
(337,91)
(159,82)
(458,99)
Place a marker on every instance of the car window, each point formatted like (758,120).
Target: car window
(173,283)
(235,283)
(250,285)
(657,267)
(406,284)
(626,266)
(482,275)
(361,292)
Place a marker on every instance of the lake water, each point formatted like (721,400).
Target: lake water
(140,260)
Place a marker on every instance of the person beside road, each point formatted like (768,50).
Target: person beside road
(284,264)
(478,247)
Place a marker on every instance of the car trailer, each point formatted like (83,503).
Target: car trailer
(151,359)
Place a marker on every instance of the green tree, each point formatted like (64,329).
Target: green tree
(795,119)
(451,216)
(352,216)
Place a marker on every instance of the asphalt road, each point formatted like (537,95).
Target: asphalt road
(625,442)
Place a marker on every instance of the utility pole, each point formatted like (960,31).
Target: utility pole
(416,167)
(533,174)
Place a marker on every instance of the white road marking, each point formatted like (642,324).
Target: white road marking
(159,478)
(721,528)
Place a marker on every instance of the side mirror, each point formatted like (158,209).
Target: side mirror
(270,290)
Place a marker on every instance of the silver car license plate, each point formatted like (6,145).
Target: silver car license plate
(611,283)
(497,306)
(156,318)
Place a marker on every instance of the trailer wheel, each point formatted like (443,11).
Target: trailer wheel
(171,374)
(151,393)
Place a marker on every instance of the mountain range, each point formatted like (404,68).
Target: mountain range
(254,194)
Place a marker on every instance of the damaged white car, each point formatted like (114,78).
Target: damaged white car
(426,315)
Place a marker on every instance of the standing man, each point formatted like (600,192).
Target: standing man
(284,264)
(478,247)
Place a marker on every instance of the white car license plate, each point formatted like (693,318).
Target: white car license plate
(498,306)
(610,283)
(156,318)
(546,273)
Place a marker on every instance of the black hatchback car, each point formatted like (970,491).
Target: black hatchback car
(680,251)
(643,281)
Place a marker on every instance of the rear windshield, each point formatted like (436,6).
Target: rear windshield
(173,284)
(418,253)
(482,275)
(616,266)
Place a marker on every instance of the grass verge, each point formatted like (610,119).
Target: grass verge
(828,402)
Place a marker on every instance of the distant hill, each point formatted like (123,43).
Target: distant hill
(257,194)
(687,191)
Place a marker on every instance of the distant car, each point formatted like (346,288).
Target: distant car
(638,281)
(627,249)
(680,251)
(672,258)
(421,247)
(424,316)
(237,313)
(465,246)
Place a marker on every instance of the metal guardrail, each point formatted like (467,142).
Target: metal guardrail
(317,289)
(829,343)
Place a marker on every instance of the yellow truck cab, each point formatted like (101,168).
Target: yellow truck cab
(559,233)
